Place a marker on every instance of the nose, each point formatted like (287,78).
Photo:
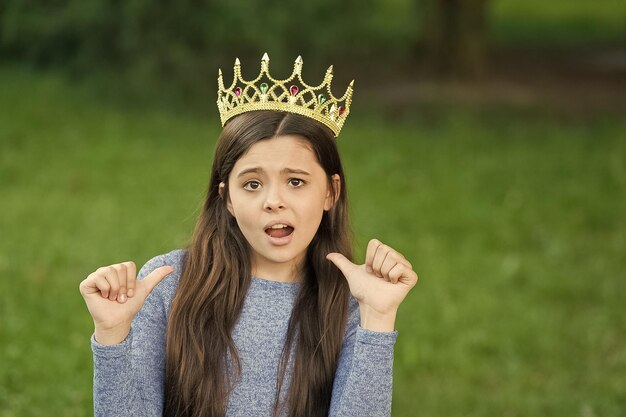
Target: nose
(273,200)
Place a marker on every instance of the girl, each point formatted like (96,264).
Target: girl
(264,314)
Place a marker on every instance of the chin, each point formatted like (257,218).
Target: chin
(282,255)
(282,259)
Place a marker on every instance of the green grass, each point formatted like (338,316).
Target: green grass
(514,223)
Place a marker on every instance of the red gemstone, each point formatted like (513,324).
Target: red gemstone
(237,91)
(294,90)
(341,109)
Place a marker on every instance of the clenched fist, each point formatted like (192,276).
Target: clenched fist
(379,285)
(114,296)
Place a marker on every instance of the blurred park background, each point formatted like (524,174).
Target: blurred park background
(486,141)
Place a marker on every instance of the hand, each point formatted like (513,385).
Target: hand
(381,284)
(114,296)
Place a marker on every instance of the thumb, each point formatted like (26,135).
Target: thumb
(153,278)
(341,262)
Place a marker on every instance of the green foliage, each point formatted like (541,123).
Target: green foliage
(557,23)
(177,40)
(177,45)
(514,222)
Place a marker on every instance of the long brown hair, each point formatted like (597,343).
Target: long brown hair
(202,359)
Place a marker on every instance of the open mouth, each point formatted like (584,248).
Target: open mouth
(279,230)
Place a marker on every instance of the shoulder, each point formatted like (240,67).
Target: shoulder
(174,258)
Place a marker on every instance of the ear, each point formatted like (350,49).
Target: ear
(332,195)
(229,205)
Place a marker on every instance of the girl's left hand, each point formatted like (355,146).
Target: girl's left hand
(380,284)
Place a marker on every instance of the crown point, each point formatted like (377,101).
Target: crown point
(297,66)
(323,107)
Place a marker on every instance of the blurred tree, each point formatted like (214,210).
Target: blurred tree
(454,35)
(177,43)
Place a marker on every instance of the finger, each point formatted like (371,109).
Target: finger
(406,263)
(95,283)
(131,278)
(379,257)
(102,285)
(88,286)
(396,273)
(371,251)
(153,278)
(410,278)
(341,262)
(401,259)
(121,276)
(111,276)
(391,260)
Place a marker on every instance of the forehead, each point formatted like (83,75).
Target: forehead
(278,153)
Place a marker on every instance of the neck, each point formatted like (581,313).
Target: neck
(280,272)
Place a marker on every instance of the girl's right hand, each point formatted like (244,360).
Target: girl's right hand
(114,296)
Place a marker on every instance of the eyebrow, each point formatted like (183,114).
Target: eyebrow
(259,170)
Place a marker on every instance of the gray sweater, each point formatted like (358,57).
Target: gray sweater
(128,377)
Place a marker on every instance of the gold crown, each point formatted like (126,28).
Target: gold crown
(291,95)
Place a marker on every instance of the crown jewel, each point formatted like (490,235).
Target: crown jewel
(291,95)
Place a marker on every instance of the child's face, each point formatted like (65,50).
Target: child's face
(279,181)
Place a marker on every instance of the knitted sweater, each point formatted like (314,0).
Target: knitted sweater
(129,376)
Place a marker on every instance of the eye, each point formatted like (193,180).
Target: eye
(296,182)
(252,185)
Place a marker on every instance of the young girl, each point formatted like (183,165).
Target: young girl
(264,314)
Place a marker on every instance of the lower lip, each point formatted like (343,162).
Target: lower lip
(280,241)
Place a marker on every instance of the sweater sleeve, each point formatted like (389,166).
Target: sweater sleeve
(363,380)
(129,376)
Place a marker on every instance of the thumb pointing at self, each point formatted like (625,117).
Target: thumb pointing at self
(104,293)
(152,279)
(355,275)
(382,282)
(341,262)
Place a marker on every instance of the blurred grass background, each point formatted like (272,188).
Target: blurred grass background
(503,184)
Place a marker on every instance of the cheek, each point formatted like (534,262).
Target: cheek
(240,209)
(242,213)
(313,210)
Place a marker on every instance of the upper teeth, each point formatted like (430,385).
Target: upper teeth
(278,226)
